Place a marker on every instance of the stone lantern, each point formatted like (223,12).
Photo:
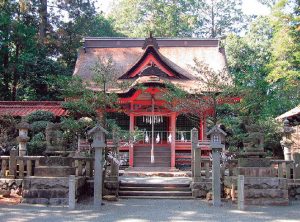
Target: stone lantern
(217,139)
(98,134)
(286,141)
(23,138)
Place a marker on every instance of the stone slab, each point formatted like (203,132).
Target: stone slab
(56,161)
(266,193)
(54,171)
(257,171)
(254,162)
(45,182)
(267,201)
(265,183)
(45,193)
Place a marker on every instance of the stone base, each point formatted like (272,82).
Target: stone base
(54,171)
(267,202)
(294,191)
(49,190)
(254,162)
(257,171)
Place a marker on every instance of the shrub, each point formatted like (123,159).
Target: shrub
(40,115)
(39,126)
(37,145)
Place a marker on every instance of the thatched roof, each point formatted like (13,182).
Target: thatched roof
(178,54)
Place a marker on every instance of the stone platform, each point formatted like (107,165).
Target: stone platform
(154,171)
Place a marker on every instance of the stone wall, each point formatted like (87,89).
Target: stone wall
(201,189)
(50,190)
(294,191)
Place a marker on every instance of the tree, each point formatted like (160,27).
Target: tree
(170,18)
(136,18)
(216,18)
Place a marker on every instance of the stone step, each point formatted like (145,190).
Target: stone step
(145,158)
(157,173)
(155,193)
(267,201)
(266,193)
(148,164)
(125,188)
(137,149)
(157,197)
(161,185)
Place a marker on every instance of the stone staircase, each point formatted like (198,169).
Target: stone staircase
(155,191)
(142,157)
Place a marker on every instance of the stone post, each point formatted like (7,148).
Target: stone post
(23,137)
(72,192)
(217,135)
(98,144)
(13,163)
(194,140)
(241,195)
(216,176)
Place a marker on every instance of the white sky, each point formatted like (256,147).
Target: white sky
(250,7)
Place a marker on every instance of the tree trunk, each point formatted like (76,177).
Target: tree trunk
(213,32)
(15,75)
(6,78)
(43,20)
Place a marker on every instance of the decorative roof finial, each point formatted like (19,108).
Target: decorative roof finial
(151,41)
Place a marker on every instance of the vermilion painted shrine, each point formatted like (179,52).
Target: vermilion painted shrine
(151,62)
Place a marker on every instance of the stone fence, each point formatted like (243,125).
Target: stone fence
(18,167)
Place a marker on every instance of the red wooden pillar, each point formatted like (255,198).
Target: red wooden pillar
(131,129)
(200,129)
(204,128)
(173,133)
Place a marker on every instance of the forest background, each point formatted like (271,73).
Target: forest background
(39,40)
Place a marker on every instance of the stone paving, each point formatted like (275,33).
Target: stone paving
(134,210)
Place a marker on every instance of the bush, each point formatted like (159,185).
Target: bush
(37,145)
(39,126)
(40,115)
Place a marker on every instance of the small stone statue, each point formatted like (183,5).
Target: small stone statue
(254,141)
(54,138)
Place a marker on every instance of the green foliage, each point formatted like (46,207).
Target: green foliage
(37,145)
(39,45)
(8,131)
(136,18)
(39,126)
(40,115)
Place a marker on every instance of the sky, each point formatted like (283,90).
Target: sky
(250,7)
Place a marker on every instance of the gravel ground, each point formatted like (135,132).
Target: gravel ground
(134,210)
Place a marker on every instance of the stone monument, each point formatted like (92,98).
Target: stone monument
(54,139)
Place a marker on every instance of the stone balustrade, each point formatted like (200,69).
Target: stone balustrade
(285,168)
(19,167)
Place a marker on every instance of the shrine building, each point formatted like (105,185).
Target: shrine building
(148,64)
